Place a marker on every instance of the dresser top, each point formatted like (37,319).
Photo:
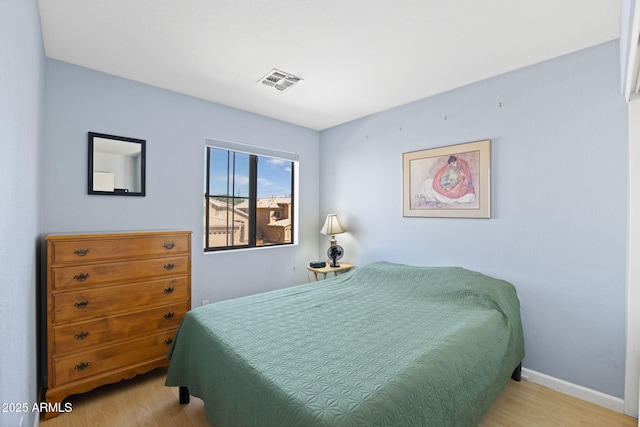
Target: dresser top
(114,234)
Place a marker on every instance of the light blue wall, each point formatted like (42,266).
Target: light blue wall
(558,226)
(79,100)
(21,94)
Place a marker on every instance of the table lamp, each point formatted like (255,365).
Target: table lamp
(332,227)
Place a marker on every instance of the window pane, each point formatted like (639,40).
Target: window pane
(218,172)
(228,224)
(240,175)
(229,173)
(228,203)
(274,204)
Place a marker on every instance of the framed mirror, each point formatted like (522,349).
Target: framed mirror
(116,165)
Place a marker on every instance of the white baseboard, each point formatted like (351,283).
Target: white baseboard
(574,390)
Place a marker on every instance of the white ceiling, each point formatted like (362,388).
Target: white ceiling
(356,57)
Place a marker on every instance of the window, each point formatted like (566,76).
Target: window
(249,196)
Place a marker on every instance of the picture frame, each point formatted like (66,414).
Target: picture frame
(448,182)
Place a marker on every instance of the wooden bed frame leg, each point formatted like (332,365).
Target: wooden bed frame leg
(517,373)
(184,395)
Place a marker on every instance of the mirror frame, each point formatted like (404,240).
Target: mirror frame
(142,143)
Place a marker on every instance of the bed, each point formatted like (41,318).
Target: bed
(385,344)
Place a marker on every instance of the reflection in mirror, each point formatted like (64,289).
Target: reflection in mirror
(116,165)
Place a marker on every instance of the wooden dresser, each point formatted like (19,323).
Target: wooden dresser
(114,303)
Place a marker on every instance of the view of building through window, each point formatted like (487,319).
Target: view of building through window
(248,200)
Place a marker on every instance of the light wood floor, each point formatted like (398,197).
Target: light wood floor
(145,401)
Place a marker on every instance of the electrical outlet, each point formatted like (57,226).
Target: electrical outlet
(205,301)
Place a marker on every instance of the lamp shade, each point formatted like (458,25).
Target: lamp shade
(331,225)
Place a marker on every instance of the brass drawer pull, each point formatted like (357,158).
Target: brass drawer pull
(169,266)
(81,335)
(169,315)
(81,277)
(168,341)
(169,290)
(81,304)
(169,245)
(81,252)
(82,366)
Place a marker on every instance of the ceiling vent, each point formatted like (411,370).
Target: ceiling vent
(279,80)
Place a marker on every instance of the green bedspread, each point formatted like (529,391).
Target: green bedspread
(383,345)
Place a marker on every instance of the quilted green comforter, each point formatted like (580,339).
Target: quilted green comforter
(382,345)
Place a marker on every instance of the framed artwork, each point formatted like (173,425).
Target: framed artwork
(448,182)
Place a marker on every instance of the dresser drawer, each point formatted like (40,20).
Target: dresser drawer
(106,301)
(83,276)
(90,250)
(83,336)
(82,365)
